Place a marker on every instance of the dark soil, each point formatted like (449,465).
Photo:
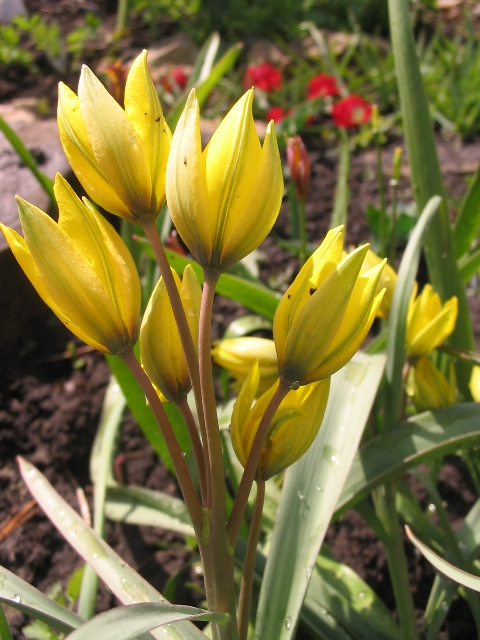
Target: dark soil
(49,409)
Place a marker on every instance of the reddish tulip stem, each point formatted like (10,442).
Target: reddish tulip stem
(184,478)
(245,599)
(196,444)
(191,357)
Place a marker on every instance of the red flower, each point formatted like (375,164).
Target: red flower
(351,111)
(322,86)
(178,76)
(264,76)
(277,114)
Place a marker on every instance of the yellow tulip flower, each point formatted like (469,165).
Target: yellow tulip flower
(225,199)
(429,323)
(326,313)
(293,429)
(161,350)
(387,281)
(119,156)
(81,268)
(238,355)
(428,388)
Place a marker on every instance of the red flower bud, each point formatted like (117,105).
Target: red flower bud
(299,164)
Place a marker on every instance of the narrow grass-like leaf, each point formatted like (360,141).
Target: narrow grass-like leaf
(427,178)
(204,89)
(429,434)
(454,573)
(136,505)
(469,265)
(468,220)
(126,623)
(310,492)
(398,316)
(22,596)
(101,462)
(122,580)
(28,160)
(444,590)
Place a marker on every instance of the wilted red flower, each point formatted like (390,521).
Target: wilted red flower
(351,111)
(322,86)
(264,76)
(117,77)
(277,114)
(299,165)
(179,77)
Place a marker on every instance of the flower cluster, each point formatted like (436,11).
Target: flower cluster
(173,81)
(347,112)
(223,200)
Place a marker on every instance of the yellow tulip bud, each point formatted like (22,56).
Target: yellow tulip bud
(81,268)
(326,313)
(238,355)
(119,156)
(428,388)
(429,323)
(387,281)
(474,383)
(225,199)
(161,349)
(293,428)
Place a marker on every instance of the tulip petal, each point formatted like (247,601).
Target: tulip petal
(117,146)
(143,109)
(187,193)
(80,155)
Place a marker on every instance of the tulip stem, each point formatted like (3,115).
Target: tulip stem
(253,460)
(196,443)
(184,478)
(303,232)
(217,555)
(151,232)
(245,598)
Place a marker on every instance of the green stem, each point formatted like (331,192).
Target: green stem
(122,14)
(184,478)
(303,232)
(250,471)
(5,632)
(384,499)
(245,599)
(381,194)
(342,189)
(217,555)
(393,226)
(188,346)
(196,443)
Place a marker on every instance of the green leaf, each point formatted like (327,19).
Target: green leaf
(398,316)
(468,220)
(387,456)
(310,492)
(126,623)
(427,179)
(338,599)
(136,505)
(125,583)
(22,596)
(454,573)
